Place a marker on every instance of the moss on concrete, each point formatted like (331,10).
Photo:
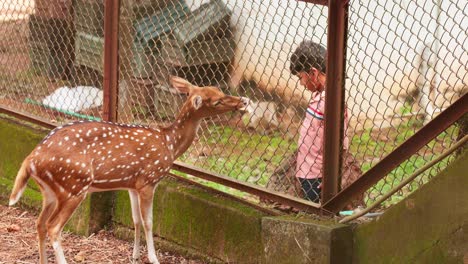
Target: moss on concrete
(127,233)
(430,224)
(190,216)
(305,240)
(18,140)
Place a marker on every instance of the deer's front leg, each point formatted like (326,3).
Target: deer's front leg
(146,195)
(136,216)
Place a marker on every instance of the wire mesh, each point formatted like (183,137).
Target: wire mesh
(406,61)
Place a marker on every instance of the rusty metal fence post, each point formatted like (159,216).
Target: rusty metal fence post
(334,100)
(102,203)
(111,59)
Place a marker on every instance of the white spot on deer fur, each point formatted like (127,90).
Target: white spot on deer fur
(83,164)
(100,181)
(168,138)
(49,174)
(77,135)
(61,158)
(156,162)
(126,136)
(95,129)
(73,187)
(74,143)
(68,161)
(66,138)
(115,180)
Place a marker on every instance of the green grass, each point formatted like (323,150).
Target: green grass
(252,157)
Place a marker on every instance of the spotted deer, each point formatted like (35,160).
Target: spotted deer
(84,157)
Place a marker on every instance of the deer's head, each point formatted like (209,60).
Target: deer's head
(207,101)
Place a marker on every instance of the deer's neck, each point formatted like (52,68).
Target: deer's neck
(183,131)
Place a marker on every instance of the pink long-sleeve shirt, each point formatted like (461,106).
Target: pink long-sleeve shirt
(311,138)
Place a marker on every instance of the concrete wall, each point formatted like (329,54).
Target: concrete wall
(189,219)
(429,226)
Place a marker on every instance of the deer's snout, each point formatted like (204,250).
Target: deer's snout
(244,103)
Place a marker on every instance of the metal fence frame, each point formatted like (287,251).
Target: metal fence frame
(333,200)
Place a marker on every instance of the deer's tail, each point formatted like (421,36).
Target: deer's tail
(20,183)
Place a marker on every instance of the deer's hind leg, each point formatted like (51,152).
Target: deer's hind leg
(48,205)
(145,197)
(136,216)
(58,219)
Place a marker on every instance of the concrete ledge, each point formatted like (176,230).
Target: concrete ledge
(296,240)
(189,216)
(429,226)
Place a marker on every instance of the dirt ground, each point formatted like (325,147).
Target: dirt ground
(18,244)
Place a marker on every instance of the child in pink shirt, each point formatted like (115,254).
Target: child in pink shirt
(308,62)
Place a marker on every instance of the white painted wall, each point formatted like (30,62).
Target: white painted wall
(385,40)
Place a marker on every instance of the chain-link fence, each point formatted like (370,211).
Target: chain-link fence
(406,61)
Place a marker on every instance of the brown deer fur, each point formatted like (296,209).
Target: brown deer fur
(84,157)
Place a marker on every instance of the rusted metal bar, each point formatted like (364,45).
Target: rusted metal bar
(400,154)
(407,180)
(317,2)
(111,59)
(23,116)
(250,188)
(334,103)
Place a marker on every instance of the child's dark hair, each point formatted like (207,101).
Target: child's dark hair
(309,54)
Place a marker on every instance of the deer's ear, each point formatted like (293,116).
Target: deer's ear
(197,102)
(182,85)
